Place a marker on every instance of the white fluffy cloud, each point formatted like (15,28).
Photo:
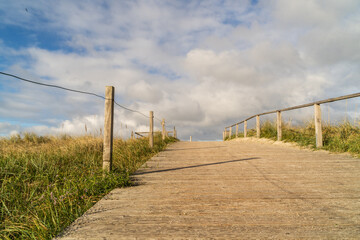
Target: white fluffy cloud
(200,65)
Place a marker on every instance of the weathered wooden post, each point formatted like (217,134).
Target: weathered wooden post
(175,134)
(318,131)
(223,135)
(278,126)
(237,130)
(190,138)
(258,126)
(108,128)
(151,130)
(163,129)
(230,133)
(132,135)
(245,129)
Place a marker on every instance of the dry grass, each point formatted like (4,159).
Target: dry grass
(47,182)
(344,137)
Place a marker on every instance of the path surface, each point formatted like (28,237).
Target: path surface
(232,190)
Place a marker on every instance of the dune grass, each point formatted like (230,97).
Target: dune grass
(343,137)
(48,182)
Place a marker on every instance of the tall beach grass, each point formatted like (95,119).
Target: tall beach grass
(47,182)
(343,137)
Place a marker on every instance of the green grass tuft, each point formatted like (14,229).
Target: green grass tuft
(341,138)
(48,182)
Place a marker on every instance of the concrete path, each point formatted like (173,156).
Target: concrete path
(232,190)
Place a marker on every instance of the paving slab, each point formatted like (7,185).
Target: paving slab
(231,190)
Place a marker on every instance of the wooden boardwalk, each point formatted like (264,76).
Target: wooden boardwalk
(232,190)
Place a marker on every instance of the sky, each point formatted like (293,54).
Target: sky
(201,65)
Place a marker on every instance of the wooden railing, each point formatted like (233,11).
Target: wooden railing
(109,125)
(145,134)
(317,119)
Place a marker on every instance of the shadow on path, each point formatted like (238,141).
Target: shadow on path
(194,166)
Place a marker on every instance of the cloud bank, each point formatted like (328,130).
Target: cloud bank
(201,65)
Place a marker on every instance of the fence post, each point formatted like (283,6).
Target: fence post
(278,125)
(190,138)
(237,130)
(230,133)
(175,135)
(108,128)
(163,129)
(245,129)
(223,135)
(132,135)
(257,126)
(318,131)
(151,132)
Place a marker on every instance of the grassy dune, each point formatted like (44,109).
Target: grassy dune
(344,137)
(47,182)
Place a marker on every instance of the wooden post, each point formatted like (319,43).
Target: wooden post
(318,131)
(151,132)
(108,128)
(230,133)
(278,125)
(175,133)
(258,126)
(163,129)
(190,138)
(132,135)
(245,129)
(223,135)
(237,130)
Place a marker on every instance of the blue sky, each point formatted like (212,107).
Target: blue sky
(201,65)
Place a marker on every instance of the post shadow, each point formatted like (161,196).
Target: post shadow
(194,166)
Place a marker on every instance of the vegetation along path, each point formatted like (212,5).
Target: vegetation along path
(241,189)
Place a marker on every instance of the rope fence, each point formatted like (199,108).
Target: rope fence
(109,118)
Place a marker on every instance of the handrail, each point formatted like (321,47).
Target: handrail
(301,106)
(137,133)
